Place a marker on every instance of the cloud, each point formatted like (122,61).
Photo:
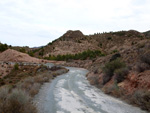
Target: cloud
(37,22)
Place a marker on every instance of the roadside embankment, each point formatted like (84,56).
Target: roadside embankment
(22,84)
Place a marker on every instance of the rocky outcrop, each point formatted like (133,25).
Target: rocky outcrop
(72,35)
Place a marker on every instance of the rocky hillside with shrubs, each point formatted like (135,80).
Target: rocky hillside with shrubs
(118,61)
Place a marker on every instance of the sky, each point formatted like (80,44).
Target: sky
(37,22)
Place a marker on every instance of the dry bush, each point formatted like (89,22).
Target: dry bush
(141,67)
(144,63)
(145,58)
(17,101)
(114,90)
(33,84)
(142,99)
(35,89)
(3,96)
(41,79)
(26,84)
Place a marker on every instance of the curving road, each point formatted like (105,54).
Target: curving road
(71,93)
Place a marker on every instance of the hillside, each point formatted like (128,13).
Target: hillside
(73,42)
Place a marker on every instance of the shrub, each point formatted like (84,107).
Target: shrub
(31,53)
(3,93)
(19,102)
(114,51)
(115,56)
(41,53)
(16,66)
(22,50)
(110,68)
(144,63)
(141,67)
(120,74)
(109,38)
(3,47)
(142,99)
(145,58)
(3,96)
(114,90)
(40,79)
(34,89)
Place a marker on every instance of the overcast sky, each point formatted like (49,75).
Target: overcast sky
(37,22)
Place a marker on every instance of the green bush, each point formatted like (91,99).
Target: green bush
(110,68)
